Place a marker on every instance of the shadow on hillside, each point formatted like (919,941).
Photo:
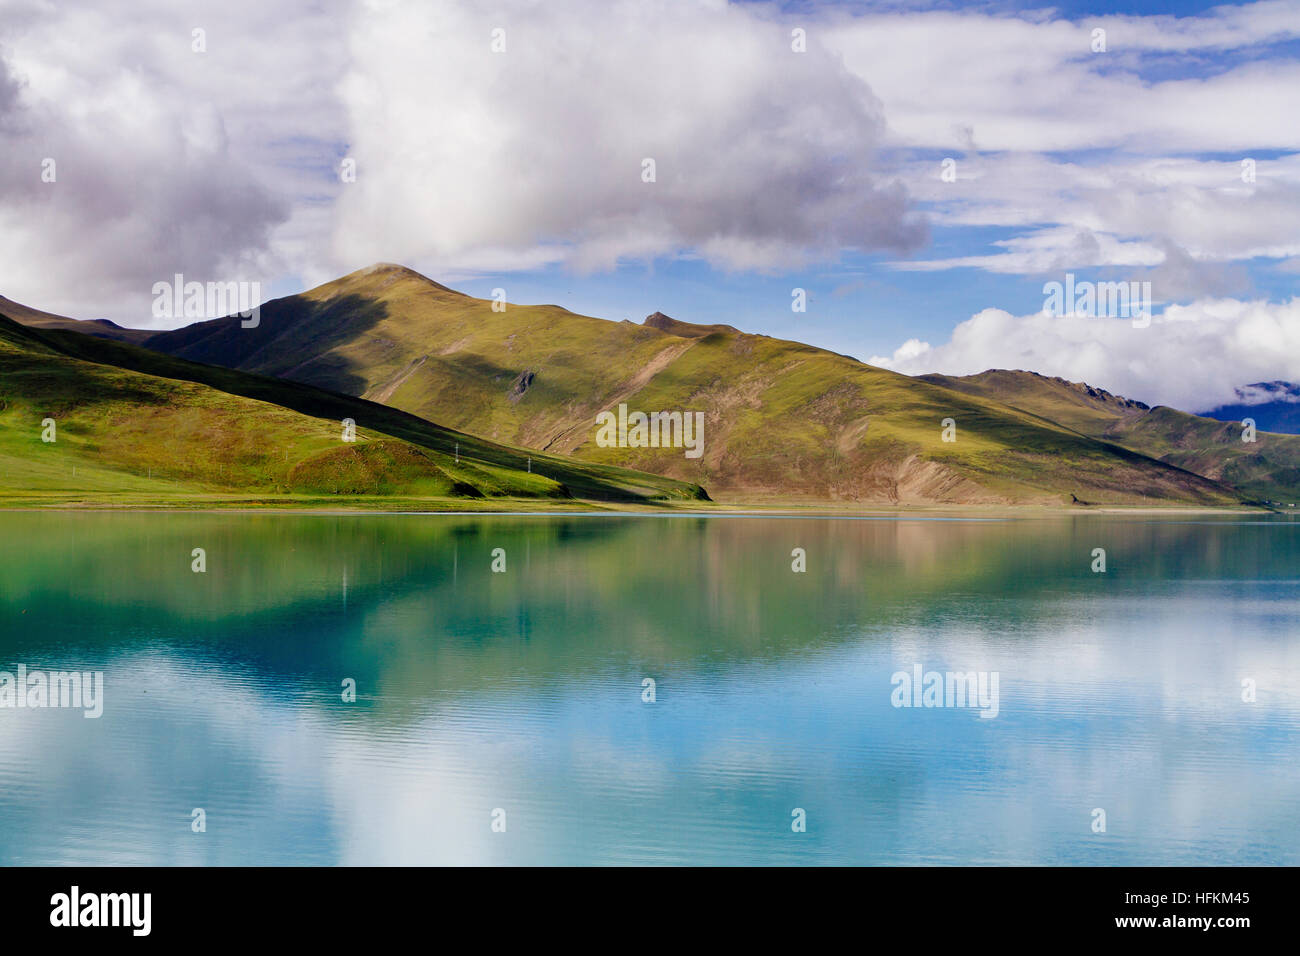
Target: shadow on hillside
(288,341)
(583,479)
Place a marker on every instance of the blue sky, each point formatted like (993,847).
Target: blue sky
(859,306)
(797,145)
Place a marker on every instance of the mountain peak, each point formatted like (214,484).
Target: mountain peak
(686,330)
(389,267)
(387,273)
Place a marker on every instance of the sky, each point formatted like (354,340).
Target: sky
(921,171)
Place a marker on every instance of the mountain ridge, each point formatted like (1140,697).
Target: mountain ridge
(264,436)
(1267,468)
(782,419)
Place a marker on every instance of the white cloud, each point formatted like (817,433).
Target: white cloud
(763,157)
(1192,357)
(166,159)
(1263,393)
(1001,95)
(224,164)
(1191,216)
(1011,83)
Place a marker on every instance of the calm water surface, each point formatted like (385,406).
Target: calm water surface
(522,691)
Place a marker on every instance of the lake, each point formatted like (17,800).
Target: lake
(652,689)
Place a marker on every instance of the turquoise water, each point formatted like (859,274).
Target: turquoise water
(522,691)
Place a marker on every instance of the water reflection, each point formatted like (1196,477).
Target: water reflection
(523,690)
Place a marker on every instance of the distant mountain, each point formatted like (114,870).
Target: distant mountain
(100,328)
(782,420)
(1266,469)
(1275,407)
(132,422)
(1076,405)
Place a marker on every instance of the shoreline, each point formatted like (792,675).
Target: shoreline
(522,507)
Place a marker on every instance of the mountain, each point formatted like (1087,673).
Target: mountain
(1275,407)
(136,424)
(1267,469)
(100,328)
(685,330)
(781,419)
(1074,404)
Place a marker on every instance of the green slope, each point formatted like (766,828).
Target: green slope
(781,418)
(99,328)
(1267,469)
(132,422)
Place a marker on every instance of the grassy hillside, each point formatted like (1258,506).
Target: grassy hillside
(1266,469)
(1092,411)
(781,418)
(100,328)
(132,423)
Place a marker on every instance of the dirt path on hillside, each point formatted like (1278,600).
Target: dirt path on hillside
(386,392)
(573,435)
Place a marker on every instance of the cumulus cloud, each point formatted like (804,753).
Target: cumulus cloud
(1191,357)
(535,151)
(130,156)
(225,164)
